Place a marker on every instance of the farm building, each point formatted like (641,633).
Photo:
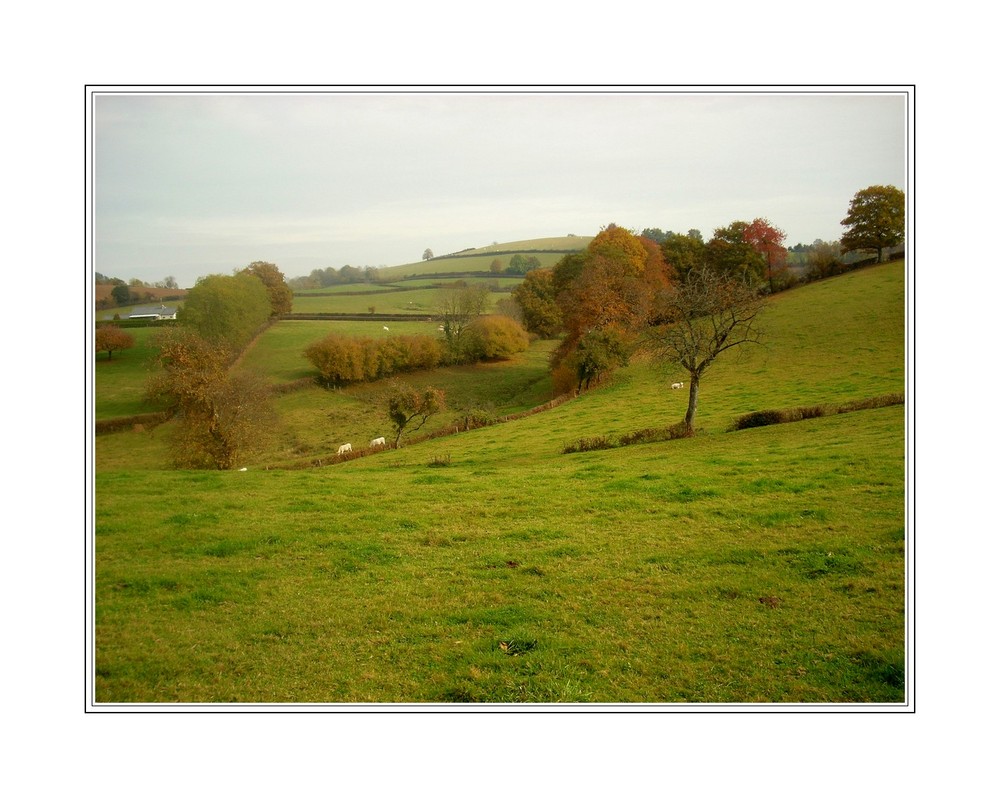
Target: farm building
(153,312)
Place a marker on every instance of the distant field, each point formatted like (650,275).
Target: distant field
(422,301)
(763,566)
(479,259)
(120,381)
(278,353)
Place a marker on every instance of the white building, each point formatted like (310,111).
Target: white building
(153,312)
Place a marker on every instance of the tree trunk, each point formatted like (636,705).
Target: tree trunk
(692,404)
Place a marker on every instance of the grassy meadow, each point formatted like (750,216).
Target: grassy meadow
(766,565)
(479,259)
(418,296)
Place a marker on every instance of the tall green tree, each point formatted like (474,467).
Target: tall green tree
(876,220)
(536,297)
(684,253)
(226,309)
(121,294)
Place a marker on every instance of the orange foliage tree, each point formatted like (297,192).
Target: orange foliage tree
(605,295)
(222,417)
(110,338)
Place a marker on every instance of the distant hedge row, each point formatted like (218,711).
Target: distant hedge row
(123,323)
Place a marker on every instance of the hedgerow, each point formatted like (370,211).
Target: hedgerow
(764,418)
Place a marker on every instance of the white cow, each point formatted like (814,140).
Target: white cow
(385,328)
(377,442)
(344,449)
(676,385)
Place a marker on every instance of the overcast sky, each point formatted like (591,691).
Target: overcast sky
(193,184)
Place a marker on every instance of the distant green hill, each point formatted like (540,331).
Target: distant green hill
(547,250)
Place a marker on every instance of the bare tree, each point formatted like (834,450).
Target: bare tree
(457,307)
(706,315)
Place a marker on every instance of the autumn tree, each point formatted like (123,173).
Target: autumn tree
(409,408)
(875,220)
(706,315)
(278,292)
(768,241)
(730,252)
(222,417)
(110,338)
(605,292)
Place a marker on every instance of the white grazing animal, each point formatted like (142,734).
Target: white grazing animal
(377,442)
(385,328)
(344,449)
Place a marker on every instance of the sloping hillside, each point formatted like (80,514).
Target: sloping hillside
(766,565)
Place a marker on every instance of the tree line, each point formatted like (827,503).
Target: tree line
(681,299)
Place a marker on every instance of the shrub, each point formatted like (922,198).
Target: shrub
(589,445)
(872,403)
(495,338)
(763,418)
(655,435)
(758,418)
(343,359)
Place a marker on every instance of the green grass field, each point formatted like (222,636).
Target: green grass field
(479,259)
(120,381)
(421,297)
(758,566)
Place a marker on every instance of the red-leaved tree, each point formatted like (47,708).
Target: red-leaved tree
(768,240)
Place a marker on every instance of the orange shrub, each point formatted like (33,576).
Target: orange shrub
(344,359)
(495,338)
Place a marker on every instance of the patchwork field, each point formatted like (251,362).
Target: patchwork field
(766,565)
